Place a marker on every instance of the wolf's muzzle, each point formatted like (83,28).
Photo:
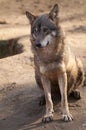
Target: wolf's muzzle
(39,45)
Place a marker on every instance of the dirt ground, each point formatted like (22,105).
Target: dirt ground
(19,94)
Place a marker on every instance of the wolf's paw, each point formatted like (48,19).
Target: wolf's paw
(76,94)
(67,117)
(47,119)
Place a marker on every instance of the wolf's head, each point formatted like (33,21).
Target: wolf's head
(44,28)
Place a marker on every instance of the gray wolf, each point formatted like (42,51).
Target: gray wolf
(55,64)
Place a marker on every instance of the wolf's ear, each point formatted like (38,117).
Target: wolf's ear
(54,12)
(30,17)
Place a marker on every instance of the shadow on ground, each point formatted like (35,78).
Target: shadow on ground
(20,110)
(10,47)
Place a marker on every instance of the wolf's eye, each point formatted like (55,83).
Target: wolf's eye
(35,30)
(45,30)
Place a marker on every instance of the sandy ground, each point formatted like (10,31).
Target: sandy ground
(19,94)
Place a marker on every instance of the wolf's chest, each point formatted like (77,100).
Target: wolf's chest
(52,75)
(51,71)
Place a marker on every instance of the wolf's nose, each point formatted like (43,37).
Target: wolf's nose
(38,45)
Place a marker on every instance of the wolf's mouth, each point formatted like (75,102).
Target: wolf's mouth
(48,43)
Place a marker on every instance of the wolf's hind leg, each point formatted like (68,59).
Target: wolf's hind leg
(79,80)
(76,94)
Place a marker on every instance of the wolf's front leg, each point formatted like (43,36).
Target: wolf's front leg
(49,105)
(62,80)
